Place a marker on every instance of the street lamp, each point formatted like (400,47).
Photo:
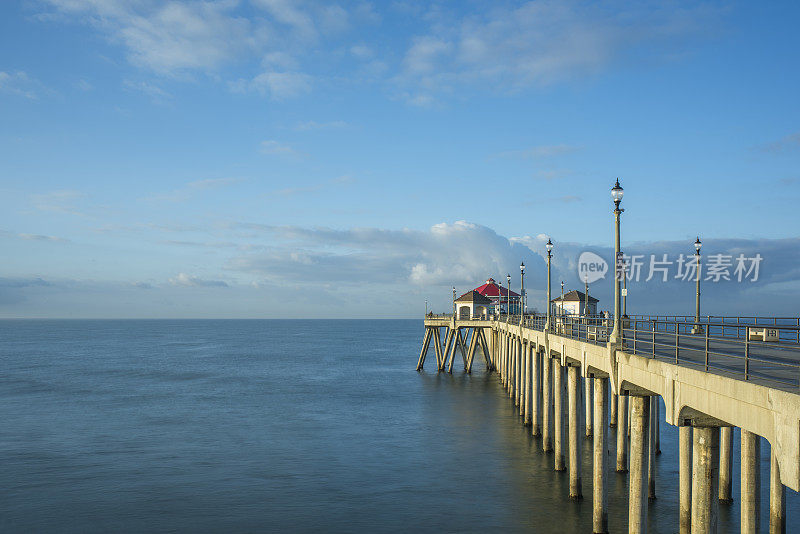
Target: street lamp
(561,309)
(616,196)
(508,278)
(454,303)
(697,328)
(522,290)
(426,306)
(499,299)
(549,247)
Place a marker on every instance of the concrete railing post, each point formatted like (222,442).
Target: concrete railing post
(637,480)
(750,495)
(599,489)
(575,448)
(705,479)
(685,478)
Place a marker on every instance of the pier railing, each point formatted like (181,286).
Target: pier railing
(760,349)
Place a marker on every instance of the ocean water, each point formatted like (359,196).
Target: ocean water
(280,426)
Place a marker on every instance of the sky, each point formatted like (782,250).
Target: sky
(276,158)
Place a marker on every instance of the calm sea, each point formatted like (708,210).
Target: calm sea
(278,426)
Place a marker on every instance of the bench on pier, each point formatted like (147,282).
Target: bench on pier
(762,333)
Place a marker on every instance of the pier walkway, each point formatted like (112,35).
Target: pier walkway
(712,377)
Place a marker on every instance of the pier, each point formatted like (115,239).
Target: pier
(710,381)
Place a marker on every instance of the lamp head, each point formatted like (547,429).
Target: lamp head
(616,193)
(697,245)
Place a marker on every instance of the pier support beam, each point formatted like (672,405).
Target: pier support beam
(725,457)
(705,480)
(685,478)
(547,401)
(622,434)
(612,418)
(528,391)
(599,463)
(637,480)
(777,498)
(536,392)
(558,416)
(574,396)
(588,384)
(426,342)
(651,451)
(517,372)
(750,494)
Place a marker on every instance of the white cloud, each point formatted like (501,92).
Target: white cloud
(61,201)
(276,148)
(40,237)
(313,125)
(21,84)
(459,253)
(185,280)
(147,88)
(538,42)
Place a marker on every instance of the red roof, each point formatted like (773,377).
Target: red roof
(491,289)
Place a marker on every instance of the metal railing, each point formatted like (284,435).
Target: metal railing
(763,350)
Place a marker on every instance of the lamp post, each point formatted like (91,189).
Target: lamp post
(562,298)
(522,291)
(454,303)
(426,306)
(616,196)
(549,247)
(586,295)
(697,328)
(508,279)
(625,290)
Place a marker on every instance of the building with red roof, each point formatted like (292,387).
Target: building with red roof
(498,296)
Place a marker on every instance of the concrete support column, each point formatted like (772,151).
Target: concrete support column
(600,455)
(705,480)
(725,457)
(505,359)
(575,446)
(612,418)
(622,435)
(518,375)
(528,393)
(651,450)
(750,495)
(536,392)
(588,384)
(637,480)
(685,478)
(777,498)
(547,401)
(558,416)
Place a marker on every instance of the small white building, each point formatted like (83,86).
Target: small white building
(574,303)
(473,305)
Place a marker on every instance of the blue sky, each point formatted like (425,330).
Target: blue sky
(265,158)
